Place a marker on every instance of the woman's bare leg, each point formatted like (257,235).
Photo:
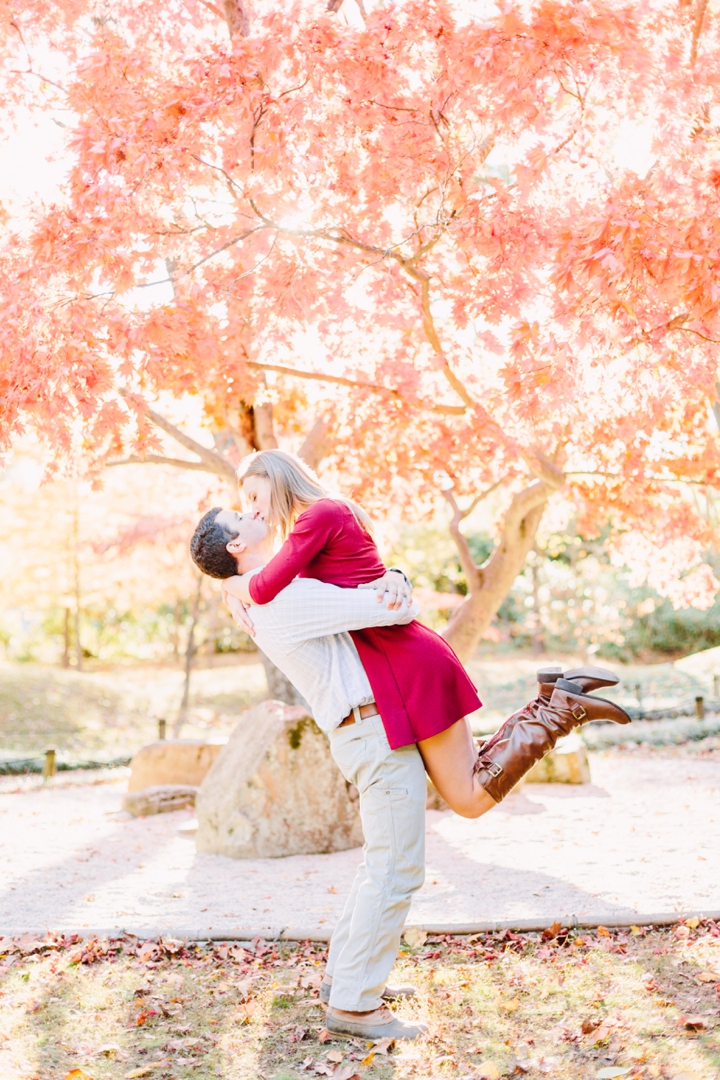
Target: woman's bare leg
(449,761)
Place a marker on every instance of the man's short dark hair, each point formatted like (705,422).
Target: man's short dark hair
(208,546)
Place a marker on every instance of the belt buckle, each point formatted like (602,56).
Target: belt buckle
(579,712)
(491,766)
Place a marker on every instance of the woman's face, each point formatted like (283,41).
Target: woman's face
(256,493)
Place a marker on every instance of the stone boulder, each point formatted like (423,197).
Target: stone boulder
(172,761)
(160,799)
(566,764)
(275,790)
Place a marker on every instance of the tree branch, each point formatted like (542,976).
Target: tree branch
(700,9)
(178,463)
(472,572)
(215,462)
(316,444)
(236,17)
(340,380)
(483,495)
(524,502)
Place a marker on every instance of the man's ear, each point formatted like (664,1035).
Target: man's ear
(236,546)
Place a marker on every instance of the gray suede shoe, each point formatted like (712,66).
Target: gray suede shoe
(381,1024)
(390,993)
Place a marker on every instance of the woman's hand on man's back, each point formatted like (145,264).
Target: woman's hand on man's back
(394,587)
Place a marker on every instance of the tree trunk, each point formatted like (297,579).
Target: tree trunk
(190,652)
(538,638)
(279,686)
(489,585)
(66,639)
(76,583)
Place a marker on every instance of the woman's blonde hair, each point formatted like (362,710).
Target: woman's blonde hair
(293,487)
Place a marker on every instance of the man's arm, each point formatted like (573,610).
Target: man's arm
(308,609)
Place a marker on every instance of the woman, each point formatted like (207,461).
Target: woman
(329,538)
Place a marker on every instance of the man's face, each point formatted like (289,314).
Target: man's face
(251,531)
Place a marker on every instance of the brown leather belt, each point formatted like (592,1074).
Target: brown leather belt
(365,711)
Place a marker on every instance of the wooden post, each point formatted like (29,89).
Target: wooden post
(162,726)
(716,687)
(638,695)
(700,707)
(49,768)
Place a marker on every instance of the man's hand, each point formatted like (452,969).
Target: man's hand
(393,586)
(239,610)
(238,587)
(240,614)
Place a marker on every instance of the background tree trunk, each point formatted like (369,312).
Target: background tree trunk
(190,652)
(489,585)
(279,686)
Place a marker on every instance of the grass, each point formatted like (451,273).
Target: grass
(573,1006)
(111,713)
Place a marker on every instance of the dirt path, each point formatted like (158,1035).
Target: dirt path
(642,839)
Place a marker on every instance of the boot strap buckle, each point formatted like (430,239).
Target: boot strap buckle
(491,766)
(579,712)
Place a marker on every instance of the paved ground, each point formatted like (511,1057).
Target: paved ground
(643,839)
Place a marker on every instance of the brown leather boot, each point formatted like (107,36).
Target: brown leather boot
(589,678)
(499,768)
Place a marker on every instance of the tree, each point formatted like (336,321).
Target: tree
(415,234)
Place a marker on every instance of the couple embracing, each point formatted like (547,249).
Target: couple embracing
(389,693)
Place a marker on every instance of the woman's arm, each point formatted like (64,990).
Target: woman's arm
(313,529)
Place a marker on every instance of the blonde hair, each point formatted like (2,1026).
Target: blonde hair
(293,487)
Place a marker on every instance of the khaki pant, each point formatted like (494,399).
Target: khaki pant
(392,789)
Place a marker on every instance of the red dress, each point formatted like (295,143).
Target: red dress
(420,686)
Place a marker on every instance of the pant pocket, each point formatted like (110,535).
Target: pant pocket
(347,752)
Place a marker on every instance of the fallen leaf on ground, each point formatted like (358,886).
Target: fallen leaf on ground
(551,932)
(109,1050)
(334,1055)
(369,1059)
(324,1035)
(693,923)
(488,1070)
(383,1046)
(693,1023)
(511,1006)
(590,1024)
(707,977)
(611,1072)
(145,1070)
(345,1072)
(244,1013)
(635,930)
(414,937)
(77,1074)
(603,931)
(601,1034)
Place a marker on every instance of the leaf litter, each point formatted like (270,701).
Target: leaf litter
(595,1005)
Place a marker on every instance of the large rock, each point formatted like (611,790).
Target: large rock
(161,799)
(274,789)
(172,761)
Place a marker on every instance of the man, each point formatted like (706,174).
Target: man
(304,632)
